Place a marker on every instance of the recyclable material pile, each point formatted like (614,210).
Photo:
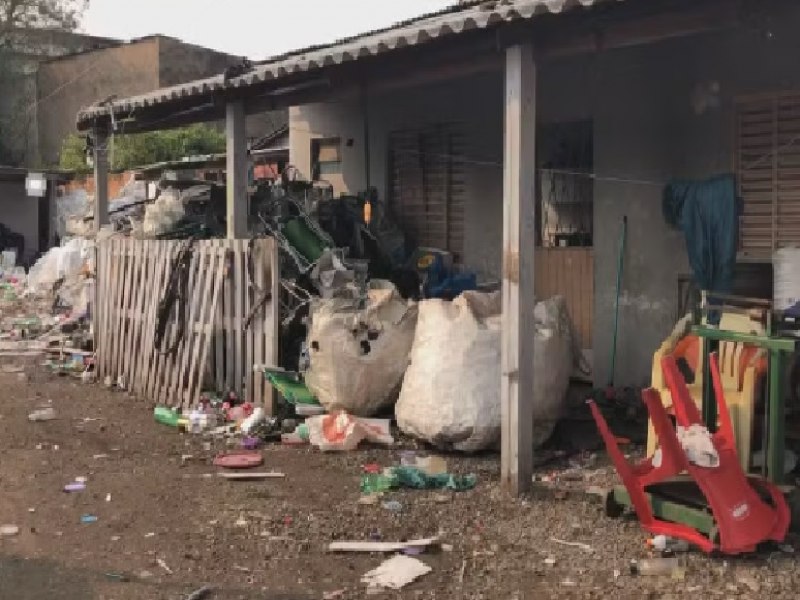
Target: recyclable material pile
(45,311)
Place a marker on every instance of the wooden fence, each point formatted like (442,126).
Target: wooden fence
(230,321)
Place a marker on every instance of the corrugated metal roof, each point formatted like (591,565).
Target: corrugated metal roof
(449,22)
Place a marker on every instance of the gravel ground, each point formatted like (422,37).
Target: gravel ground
(267,540)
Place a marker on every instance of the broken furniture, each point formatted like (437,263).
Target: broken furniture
(717,507)
(742,367)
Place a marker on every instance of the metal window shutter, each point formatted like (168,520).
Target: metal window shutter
(427,188)
(768,172)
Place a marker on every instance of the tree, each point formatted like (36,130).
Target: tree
(141,149)
(20,52)
(16,16)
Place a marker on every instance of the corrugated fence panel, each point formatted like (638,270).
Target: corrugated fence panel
(229,325)
(569,272)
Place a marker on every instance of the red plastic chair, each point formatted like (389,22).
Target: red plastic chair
(743,519)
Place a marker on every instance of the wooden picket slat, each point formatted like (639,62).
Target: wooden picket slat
(215,348)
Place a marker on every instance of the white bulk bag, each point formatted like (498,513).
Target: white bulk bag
(358,356)
(451,391)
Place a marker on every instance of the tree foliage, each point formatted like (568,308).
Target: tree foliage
(18,15)
(140,149)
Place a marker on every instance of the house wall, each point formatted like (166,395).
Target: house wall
(20,214)
(647,131)
(70,83)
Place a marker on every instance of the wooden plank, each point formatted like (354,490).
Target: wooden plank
(100,150)
(197,371)
(159,264)
(238,294)
(518,330)
(198,274)
(119,303)
(249,256)
(191,369)
(228,321)
(140,283)
(219,332)
(156,357)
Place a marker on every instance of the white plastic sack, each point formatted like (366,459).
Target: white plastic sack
(786,286)
(451,391)
(163,215)
(357,358)
(61,262)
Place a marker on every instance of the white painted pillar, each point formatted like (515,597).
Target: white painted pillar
(518,247)
(100,158)
(236,178)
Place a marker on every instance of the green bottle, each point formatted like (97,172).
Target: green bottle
(167,416)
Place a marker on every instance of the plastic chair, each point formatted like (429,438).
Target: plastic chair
(743,520)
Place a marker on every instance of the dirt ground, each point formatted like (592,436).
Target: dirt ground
(267,540)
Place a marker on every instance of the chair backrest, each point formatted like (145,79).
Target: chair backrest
(734,360)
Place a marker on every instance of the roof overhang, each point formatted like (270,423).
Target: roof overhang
(474,33)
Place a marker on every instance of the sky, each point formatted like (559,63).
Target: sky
(257,29)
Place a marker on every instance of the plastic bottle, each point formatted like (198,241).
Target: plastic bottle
(251,422)
(664,543)
(166,416)
(655,566)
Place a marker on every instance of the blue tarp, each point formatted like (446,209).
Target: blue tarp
(708,214)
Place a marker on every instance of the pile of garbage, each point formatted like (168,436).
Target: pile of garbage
(46,310)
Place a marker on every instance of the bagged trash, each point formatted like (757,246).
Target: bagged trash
(163,215)
(450,395)
(61,262)
(357,356)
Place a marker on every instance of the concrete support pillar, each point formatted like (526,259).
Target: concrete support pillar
(100,158)
(519,176)
(236,179)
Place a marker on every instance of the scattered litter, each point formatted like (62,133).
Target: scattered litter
(81,480)
(697,444)
(240,522)
(340,431)
(786,548)
(74,487)
(248,476)
(108,497)
(550,561)
(149,535)
(99,456)
(568,583)
(163,565)
(447,547)
(656,566)
(393,506)
(334,595)
(144,574)
(203,592)
(431,465)
(239,460)
(462,571)
(115,538)
(44,414)
(13,368)
(396,572)
(365,546)
(8,530)
(121,577)
(31,510)
(86,519)
(416,478)
(368,499)
(241,569)
(580,545)
(664,543)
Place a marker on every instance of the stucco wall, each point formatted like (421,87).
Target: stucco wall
(68,84)
(180,62)
(646,131)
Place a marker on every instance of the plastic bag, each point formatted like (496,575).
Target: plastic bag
(357,357)
(450,395)
(340,431)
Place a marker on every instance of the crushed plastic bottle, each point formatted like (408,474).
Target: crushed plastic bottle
(664,543)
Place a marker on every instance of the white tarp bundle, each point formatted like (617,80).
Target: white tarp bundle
(358,355)
(450,395)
